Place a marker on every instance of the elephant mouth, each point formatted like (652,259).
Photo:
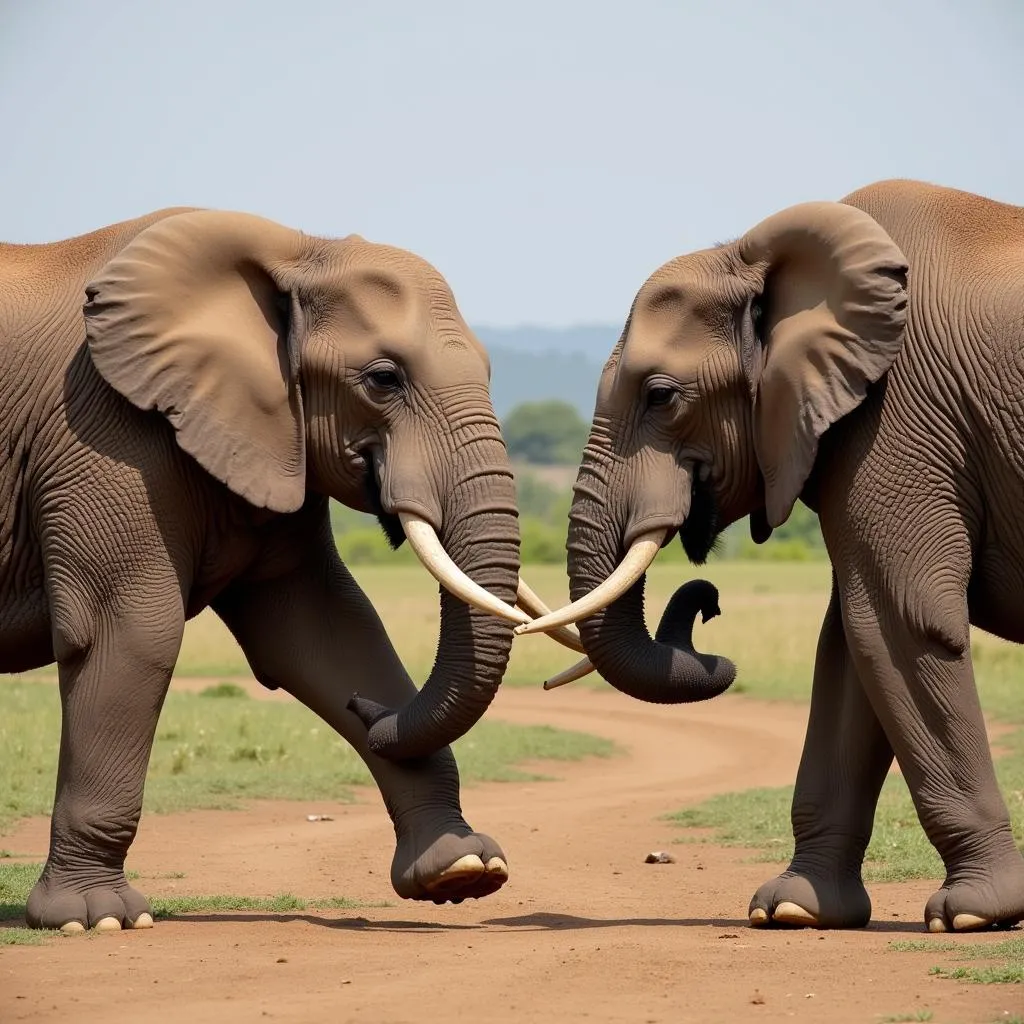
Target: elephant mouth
(389,521)
(700,532)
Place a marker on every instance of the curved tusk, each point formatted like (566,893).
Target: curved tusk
(638,558)
(571,674)
(427,546)
(533,605)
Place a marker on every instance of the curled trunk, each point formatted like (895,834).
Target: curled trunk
(480,532)
(662,670)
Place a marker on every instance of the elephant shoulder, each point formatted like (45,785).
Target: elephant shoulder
(935,222)
(76,258)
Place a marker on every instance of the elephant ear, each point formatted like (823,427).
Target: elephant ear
(835,307)
(192,319)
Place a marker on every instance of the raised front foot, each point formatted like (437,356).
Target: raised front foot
(800,899)
(77,903)
(990,897)
(450,863)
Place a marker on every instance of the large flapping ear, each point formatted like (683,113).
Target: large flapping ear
(835,306)
(196,318)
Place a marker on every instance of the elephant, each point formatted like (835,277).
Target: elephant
(182,394)
(865,357)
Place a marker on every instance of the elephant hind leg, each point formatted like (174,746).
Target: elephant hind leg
(115,658)
(844,763)
(910,642)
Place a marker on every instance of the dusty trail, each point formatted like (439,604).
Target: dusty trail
(583,931)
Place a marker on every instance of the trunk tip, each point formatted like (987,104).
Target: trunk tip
(369,712)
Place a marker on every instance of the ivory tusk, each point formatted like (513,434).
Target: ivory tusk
(533,605)
(427,546)
(571,674)
(638,558)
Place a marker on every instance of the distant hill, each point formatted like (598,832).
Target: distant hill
(530,363)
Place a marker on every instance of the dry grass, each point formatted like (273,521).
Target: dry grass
(771,614)
(769,623)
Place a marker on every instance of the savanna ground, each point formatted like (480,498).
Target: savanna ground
(265,914)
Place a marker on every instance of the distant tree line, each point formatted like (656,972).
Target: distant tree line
(545,441)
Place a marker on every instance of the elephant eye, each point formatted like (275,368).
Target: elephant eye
(386,380)
(757,317)
(660,396)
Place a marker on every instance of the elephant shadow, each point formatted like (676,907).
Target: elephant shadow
(538,922)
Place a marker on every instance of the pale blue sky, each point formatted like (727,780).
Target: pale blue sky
(545,155)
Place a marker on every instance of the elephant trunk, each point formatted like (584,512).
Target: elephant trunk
(480,532)
(662,670)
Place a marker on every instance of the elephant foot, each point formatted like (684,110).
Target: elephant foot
(77,904)
(447,864)
(799,899)
(990,899)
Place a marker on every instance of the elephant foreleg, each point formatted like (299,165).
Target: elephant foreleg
(845,759)
(313,632)
(115,659)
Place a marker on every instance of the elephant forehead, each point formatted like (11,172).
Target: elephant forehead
(387,301)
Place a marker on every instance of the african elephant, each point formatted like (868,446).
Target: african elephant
(867,357)
(171,444)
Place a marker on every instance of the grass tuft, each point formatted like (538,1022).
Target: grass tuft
(1009,954)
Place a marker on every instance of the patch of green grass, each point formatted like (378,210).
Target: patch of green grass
(1008,954)
(922,946)
(26,936)
(213,753)
(901,1018)
(899,849)
(16,881)
(285,902)
(1002,974)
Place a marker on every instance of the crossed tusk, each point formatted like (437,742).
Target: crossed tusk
(530,602)
(429,550)
(638,559)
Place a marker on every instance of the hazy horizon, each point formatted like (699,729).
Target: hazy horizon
(545,157)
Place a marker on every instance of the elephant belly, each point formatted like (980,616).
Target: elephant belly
(25,638)
(995,596)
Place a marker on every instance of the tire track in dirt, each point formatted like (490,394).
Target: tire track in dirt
(583,931)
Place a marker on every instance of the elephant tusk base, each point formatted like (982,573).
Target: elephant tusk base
(429,550)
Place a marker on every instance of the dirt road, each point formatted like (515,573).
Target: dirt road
(584,931)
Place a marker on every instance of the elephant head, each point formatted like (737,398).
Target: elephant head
(733,363)
(290,364)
